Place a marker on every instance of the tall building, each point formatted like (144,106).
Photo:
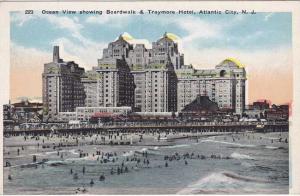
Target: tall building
(62,87)
(156,86)
(146,79)
(153,70)
(91,81)
(110,84)
(138,55)
(167,47)
(224,85)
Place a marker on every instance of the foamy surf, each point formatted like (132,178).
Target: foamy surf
(272,147)
(37,154)
(230,143)
(127,154)
(237,155)
(222,182)
(73,151)
(177,146)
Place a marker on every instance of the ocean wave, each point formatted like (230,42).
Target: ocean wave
(222,182)
(144,150)
(37,154)
(75,159)
(177,146)
(237,155)
(271,147)
(271,138)
(262,168)
(230,143)
(155,148)
(152,151)
(51,152)
(128,154)
(28,165)
(247,164)
(56,163)
(73,151)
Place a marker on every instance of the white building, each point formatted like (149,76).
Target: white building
(224,85)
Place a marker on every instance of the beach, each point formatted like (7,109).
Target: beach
(148,163)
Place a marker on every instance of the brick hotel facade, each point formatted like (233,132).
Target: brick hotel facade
(146,79)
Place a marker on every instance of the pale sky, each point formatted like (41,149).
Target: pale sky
(262,42)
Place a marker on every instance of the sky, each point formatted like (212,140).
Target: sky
(262,42)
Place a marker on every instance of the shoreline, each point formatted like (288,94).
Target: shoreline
(238,153)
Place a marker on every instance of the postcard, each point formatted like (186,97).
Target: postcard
(150,97)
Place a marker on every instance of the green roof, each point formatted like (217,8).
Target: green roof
(156,66)
(137,67)
(92,75)
(53,69)
(184,74)
(107,66)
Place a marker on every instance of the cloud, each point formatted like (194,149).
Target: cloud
(85,55)
(204,29)
(194,27)
(81,49)
(61,22)
(22,57)
(264,66)
(21,19)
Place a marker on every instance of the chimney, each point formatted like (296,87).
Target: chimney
(56,54)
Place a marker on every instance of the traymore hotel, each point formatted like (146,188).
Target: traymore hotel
(129,75)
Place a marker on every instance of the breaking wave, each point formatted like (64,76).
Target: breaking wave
(177,146)
(271,147)
(230,143)
(236,155)
(223,182)
(128,154)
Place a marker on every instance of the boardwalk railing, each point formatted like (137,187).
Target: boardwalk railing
(166,126)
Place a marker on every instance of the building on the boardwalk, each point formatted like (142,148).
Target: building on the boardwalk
(115,83)
(156,86)
(62,87)
(224,85)
(87,113)
(167,47)
(138,55)
(91,81)
(129,74)
(153,70)
(201,107)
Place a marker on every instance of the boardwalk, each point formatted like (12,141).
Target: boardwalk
(143,127)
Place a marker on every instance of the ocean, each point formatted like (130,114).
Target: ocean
(245,163)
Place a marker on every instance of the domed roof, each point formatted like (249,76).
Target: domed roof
(233,61)
(171,36)
(131,40)
(126,36)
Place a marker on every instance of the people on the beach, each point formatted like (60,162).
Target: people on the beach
(102,178)
(92,182)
